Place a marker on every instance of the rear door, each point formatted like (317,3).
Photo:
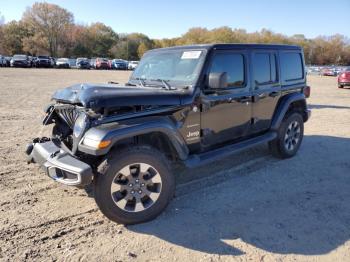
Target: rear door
(266,88)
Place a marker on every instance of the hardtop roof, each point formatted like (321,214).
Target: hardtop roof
(232,46)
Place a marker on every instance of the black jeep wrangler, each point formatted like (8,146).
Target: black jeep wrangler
(193,104)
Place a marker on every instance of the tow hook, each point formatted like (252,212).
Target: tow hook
(41,140)
(54,154)
(30,147)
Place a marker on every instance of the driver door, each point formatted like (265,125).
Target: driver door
(226,113)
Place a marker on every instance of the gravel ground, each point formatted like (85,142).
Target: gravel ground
(247,207)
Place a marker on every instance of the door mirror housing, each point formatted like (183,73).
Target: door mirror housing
(217,80)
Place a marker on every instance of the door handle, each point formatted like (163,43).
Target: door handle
(274,94)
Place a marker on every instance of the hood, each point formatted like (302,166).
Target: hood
(112,95)
(19,59)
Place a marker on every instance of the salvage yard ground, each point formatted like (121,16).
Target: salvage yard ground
(247,207)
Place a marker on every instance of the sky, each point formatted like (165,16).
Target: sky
(167,19)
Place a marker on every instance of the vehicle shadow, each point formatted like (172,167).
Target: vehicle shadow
(313,106)
(300,206)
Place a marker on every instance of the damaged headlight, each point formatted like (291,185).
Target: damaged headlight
(80,124)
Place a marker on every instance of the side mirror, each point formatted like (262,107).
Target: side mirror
(217,80)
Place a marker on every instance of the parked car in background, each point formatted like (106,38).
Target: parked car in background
(2,61)
(83,63)
(119,64)
(52,61)
(93,62)
(62,63)
(20,61)
(338,70)
(101,63)
(132,65)
(109,64)
(344,78)
(8,60)
(328,72)
(42,61)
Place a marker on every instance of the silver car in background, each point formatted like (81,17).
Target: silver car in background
(132,65)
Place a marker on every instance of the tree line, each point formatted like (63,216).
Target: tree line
(50,29)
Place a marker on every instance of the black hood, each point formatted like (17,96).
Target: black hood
(112,95)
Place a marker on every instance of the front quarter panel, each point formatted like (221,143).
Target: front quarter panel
(118,131)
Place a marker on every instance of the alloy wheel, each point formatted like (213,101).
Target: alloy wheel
(136,187)
(292,136)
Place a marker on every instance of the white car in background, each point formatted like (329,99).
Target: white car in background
(132,65)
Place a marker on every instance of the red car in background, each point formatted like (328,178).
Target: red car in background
(328,72)
(344,78)
(101,63)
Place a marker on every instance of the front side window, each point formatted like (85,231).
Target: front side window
(232,64)
(177,67)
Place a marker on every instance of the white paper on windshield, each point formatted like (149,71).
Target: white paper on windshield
(191,54)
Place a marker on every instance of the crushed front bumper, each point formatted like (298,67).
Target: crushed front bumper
(58,164)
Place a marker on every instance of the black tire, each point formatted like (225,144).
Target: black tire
(109,171)
(340,86)
(279,147)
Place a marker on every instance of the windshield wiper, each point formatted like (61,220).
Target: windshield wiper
(165,83)
(141,81)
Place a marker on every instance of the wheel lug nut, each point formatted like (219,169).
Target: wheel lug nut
(132,192)
(130,185)
(140,192)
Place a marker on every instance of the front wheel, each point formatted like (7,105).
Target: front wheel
(289,137)
(134,185)
(340,86)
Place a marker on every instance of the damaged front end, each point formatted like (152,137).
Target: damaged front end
(57,155)
(84,117)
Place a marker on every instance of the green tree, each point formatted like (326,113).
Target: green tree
(50,21)
(100,39)
(143,48)
(13,34)
(196,35)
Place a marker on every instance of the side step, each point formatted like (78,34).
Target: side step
(207,157)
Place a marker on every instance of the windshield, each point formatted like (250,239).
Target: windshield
(81,59)
(176,67)
(19,57)
(62,60)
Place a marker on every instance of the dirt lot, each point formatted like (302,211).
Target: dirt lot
(248,207)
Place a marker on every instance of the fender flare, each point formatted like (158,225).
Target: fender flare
(119,131)
(283,107)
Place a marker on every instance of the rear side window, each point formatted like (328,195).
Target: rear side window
(232,64)
(264,66)
(291,66)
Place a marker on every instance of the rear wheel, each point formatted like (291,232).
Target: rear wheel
(289,138)
(134,185)
(340,86)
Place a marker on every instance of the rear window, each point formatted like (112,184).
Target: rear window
(232,64)
(291,66)
(264,66)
